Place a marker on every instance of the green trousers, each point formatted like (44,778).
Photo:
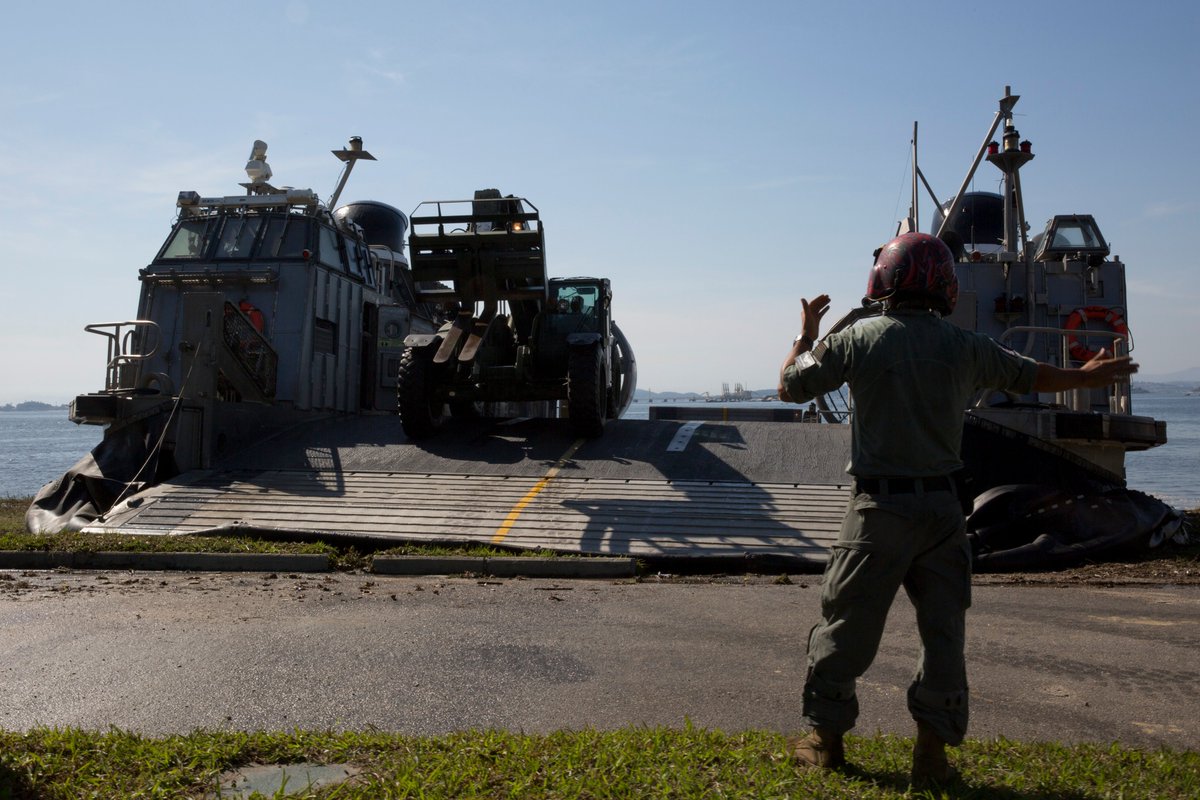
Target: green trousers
(887,540)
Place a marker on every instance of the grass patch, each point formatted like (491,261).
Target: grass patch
(12,512)
(627,763)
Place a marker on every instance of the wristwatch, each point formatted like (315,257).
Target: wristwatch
(801,339)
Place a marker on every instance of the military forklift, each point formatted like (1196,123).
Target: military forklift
(518,341)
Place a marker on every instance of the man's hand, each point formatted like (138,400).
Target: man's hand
(811,313)
(1103,370)
(810,329)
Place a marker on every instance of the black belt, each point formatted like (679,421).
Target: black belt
(940,483)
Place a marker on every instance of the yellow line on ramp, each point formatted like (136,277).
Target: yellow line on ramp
(550,475)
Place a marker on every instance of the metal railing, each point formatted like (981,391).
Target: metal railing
(130,344)
(251,349)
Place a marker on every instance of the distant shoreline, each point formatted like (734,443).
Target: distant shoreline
(33,406)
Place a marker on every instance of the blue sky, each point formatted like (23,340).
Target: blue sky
(717,161)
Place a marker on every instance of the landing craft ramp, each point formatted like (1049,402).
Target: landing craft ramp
(647,488)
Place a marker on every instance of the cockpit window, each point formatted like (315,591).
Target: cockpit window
(330,253)
(285,237)
(1071,235)
(237,237)
(1074,235)
(190,239)
(267,237)
(360,262)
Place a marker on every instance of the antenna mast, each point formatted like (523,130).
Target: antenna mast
(352,153)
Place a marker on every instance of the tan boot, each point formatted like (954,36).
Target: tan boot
(821,748)
(930,766)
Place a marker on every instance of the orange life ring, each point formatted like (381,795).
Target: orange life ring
(1080,351)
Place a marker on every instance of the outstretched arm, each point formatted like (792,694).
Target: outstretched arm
(810,331)
(1100,370)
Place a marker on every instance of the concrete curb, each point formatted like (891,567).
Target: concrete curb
(506,566)
(199,562)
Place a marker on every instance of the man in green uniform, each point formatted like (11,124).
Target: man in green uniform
(911,375)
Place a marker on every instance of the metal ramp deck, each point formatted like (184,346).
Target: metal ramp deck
(656,488)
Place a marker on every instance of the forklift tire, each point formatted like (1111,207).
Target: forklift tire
(466,409)
(613,394)
(421,413)
(586,397)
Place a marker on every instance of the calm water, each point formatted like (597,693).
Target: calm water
(38,446)
(1170,472)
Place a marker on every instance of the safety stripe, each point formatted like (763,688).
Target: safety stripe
(684,435)
(551,474)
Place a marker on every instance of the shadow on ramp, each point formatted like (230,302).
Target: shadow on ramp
(646,488)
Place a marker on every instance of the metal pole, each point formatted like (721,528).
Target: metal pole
(1006,104)
(341,184)
(915,208)
(932,195)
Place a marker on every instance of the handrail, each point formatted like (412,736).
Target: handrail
(121,343)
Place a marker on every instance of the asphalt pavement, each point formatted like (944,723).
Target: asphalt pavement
(169,652)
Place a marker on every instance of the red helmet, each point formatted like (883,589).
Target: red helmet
(917,267)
